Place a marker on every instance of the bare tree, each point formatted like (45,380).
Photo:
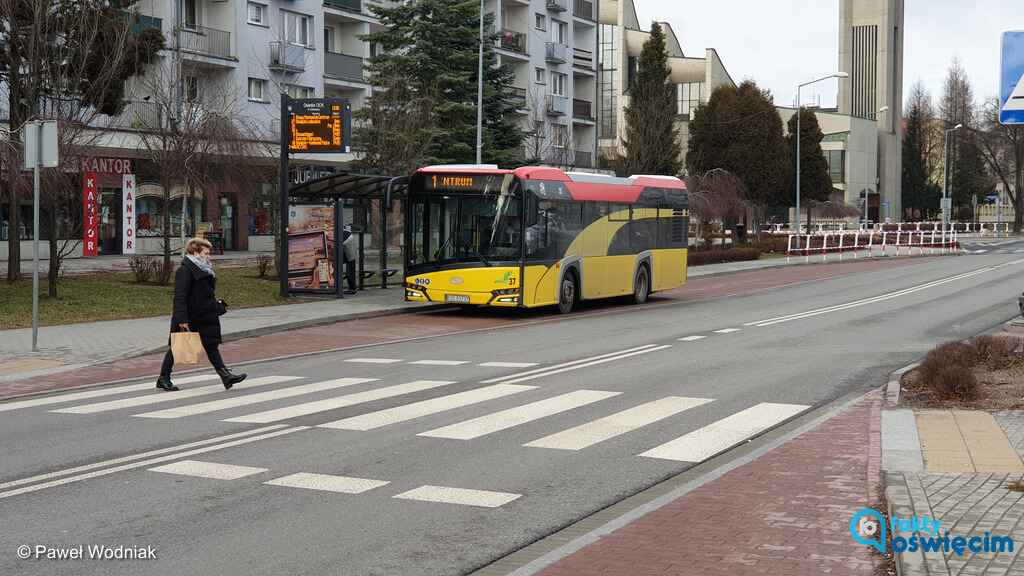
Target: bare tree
(716,197)
(1002,147)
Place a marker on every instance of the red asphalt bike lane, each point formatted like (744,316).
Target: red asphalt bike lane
(399,327)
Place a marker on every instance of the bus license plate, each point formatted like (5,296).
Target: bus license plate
(458,298)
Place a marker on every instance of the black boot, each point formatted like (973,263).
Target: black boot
(228,378)
(164,383)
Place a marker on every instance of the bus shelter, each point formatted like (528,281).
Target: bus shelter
(314,261)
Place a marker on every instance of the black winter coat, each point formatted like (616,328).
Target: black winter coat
(195,303)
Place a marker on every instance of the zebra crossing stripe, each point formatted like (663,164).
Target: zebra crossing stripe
(236,401)
(338,402)
(87,394)
(328,483)
(168,396)
(425,408)
(519,415)
(705,442)
(462,496)
(586,435)
(208,470)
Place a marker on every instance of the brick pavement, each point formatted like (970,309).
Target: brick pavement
(784,513)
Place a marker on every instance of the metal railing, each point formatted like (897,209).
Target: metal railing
(556,52)
(582,109)
(136,115)
(583,58)
(558,5)
(517,96)
(584,9)
(287,57)
(343,66)
(206,41)
(347,5)
(584,159)
(512,40)
(557,105)
(871,243)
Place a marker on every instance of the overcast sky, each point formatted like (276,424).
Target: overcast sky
(754,40)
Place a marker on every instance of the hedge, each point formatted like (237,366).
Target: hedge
(719,256)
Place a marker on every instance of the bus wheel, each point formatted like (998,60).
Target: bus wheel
(641,286)
(567,294)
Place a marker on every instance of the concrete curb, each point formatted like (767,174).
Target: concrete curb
(893,388)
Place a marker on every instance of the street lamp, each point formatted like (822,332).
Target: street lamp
(946,204)
(798,107)
(881,215)
(480,90)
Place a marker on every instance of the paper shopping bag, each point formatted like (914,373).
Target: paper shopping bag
(186,347)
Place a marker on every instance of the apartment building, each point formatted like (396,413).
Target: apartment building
(621,42)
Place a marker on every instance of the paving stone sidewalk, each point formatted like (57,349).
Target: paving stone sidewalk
(787,512)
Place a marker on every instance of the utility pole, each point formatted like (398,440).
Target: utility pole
(480,91)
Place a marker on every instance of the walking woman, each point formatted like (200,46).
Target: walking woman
(196,309)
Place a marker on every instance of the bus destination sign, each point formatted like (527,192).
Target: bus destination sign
(463,182)
(319,125)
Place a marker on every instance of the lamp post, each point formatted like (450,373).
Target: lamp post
(881,215)
(798,108)
(946,204)
(480,91)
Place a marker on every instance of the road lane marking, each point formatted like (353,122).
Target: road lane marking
(94,465)
(727,330)
(874,299)
(236,401)
(75,396)
(519,415)
(586,435)
(588,364)
(210,470)
(723,434)
(149,462)
(375,360)
(691,338)
(508,365)
(327,483)
(440,362)
(564,364)
(463,496)
(168,396)
(425,408)
(338,402)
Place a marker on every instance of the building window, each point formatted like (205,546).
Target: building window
(541,22)
(257,14)
(295,91)
(539,76)
(558,81)
(688,96)
(257,90)
(608,82)
(836,165)
(190,13)
(298,29)
(329,39)
(191,89)
(559,135)
(559,32)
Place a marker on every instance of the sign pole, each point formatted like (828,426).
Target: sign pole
(38,128)
(282,237)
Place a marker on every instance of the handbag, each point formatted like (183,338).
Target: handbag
(186,347)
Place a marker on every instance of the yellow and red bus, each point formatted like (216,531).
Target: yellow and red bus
(538,236)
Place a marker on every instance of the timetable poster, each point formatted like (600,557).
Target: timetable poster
(311,247)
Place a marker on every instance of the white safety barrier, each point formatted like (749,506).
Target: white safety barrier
(871,243)
(982,229)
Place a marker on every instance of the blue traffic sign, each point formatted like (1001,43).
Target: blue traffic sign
(1011,79)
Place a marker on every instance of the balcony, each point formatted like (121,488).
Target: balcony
(557,105)
(583,58)
(343,66)
(136,115)
(556,53)
(584,9)
(141,23)
(206,41)
(582,109)
(584,159)
(512,40)
(517,97)
(285,57)
(558,5)
(346,5)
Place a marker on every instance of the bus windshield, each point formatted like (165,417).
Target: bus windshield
(476,227)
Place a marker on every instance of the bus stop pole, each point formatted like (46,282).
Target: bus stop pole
(282,234)
(338,248)
(384,205)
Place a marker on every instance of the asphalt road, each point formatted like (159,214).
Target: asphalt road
(426,458)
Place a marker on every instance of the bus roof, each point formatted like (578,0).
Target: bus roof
(581,185)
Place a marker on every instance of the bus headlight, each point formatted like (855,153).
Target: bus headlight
(508,299)
(505,292)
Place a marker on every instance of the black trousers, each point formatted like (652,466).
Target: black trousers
(212,352)
(350,274)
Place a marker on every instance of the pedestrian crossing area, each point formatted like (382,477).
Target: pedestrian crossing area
(1011,246)
(669,428)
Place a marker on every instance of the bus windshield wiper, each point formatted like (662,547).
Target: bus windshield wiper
(440,249)
(482,258)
